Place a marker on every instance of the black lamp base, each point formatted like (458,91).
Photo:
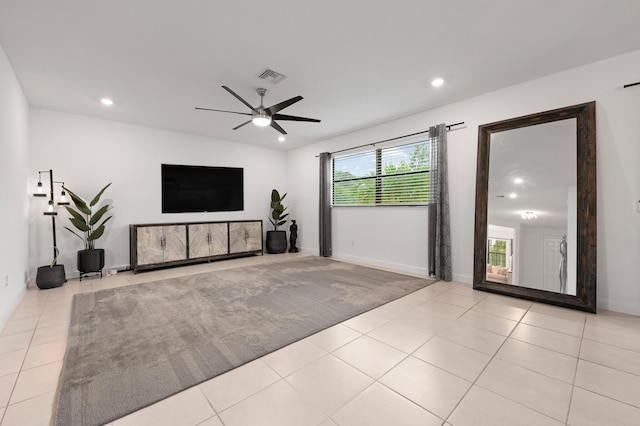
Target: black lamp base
(50,276)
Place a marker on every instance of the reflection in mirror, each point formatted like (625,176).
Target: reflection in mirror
(535,226)
(531,208)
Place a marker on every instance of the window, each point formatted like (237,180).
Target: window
(397,175)
(499,252)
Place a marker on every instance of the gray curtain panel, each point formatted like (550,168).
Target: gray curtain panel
(325,204)
(439,225)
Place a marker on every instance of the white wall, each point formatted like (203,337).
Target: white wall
(618,186)
(87,153)
(14,166)
(391,237)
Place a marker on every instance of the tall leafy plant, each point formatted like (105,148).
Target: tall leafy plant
(85,220)
(278,217)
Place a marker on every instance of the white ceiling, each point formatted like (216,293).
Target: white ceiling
(356,63)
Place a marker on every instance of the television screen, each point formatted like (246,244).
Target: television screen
(187,189)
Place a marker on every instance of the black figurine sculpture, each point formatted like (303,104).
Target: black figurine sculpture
(293,236)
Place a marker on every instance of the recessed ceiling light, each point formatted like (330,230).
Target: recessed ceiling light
(513,195)
(518,180)
(281,139)
(106,101)
(437,82)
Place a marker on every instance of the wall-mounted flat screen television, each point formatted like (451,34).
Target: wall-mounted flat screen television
(188,189)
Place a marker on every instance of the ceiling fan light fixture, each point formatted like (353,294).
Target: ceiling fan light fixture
(261,116)
(261,120)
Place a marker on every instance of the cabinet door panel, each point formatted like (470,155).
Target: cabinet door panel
(254,236)
(198,240)
(149,245)
(175,247)
(219,244)
(245,236)
(237,240)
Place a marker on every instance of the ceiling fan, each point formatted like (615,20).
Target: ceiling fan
(261,116)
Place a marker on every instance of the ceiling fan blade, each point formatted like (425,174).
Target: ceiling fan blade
(237,127)
(282,105)
(221,110)
(277,127)
(239,98)
(293,118)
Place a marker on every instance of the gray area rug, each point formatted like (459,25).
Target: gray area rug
(132,346)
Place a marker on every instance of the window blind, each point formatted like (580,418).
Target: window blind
(398,175)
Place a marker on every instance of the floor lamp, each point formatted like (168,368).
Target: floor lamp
(53,275)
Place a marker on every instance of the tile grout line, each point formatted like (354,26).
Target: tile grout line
(447,420)
(575,373)
(217,415)
(402,360)
(474,383)
(375,380)
(13,388)
(435,366)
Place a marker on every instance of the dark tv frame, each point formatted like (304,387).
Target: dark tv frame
(201,189)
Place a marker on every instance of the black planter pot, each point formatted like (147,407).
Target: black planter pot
(50,276)
(91,260)
(276,241)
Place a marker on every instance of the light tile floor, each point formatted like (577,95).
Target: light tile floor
(444,355)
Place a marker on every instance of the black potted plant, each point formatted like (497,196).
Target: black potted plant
(277,239)
(51,276)
(90,259)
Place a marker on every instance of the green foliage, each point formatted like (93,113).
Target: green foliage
(420,157)
(85,220)
(349,189)
(278,216)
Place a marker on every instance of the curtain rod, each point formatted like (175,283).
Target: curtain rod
(630,85)
(448,126)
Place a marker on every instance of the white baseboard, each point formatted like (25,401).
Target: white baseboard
(396,267)
(467,279)
(314,252)
(623,308)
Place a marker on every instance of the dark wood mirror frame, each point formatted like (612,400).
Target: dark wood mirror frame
(585,298)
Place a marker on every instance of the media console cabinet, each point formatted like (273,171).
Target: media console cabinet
(160,245)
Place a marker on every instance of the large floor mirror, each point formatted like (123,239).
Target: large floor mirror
(535,228)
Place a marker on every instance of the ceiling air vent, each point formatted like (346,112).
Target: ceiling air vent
(272,76)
